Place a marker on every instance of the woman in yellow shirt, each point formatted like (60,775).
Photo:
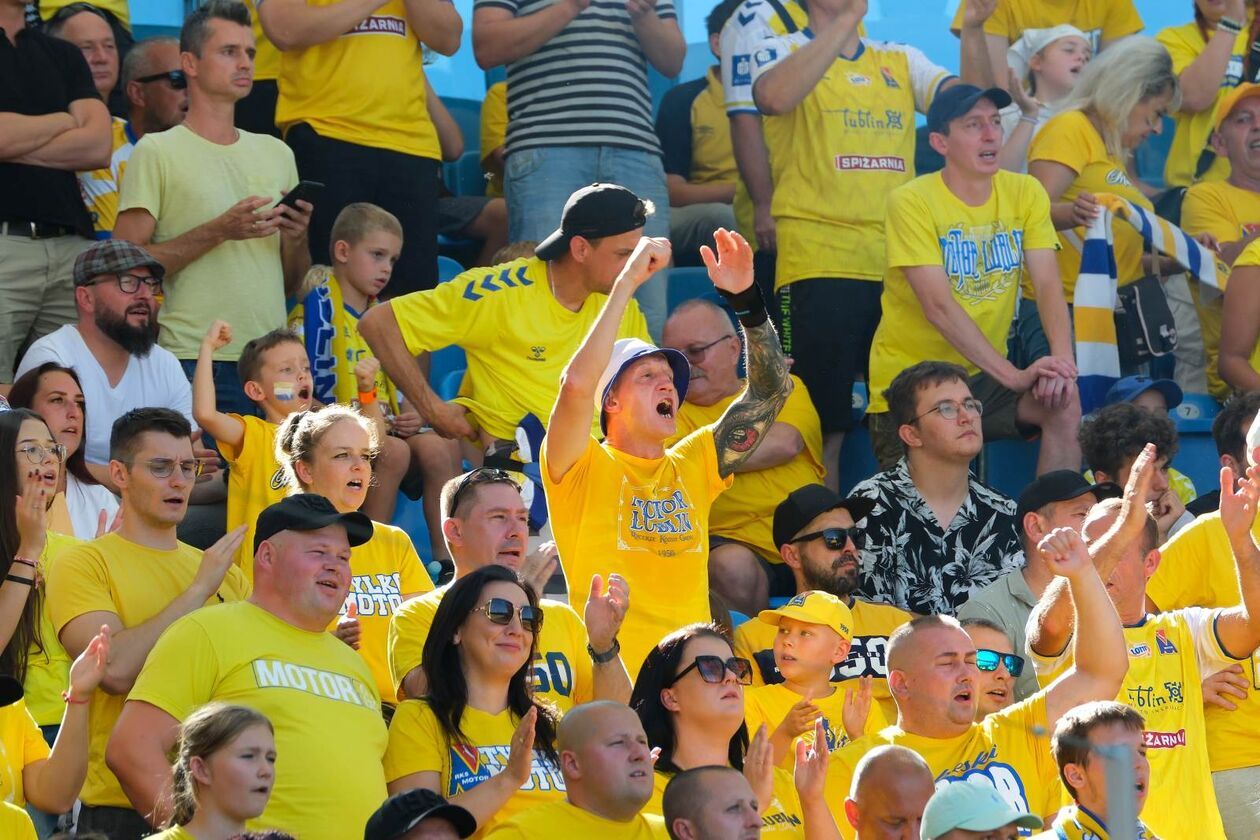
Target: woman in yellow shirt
(1239,362)
(224,771)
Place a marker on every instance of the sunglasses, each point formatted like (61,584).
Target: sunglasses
(835,538)
(712,669)
(500,611)
(481,475)
(176,78)
(987,660)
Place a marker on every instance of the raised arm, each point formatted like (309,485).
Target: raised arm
(137,754)
(975,66)
(606,607)
(1238,628)
(500,36)
(221,426)
(786,84)
(86,146)
(746,421)
(1202,79)
(31,518)
(295,24)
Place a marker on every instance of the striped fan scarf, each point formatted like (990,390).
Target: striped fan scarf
(1097,357)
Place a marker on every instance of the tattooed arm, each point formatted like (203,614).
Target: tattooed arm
(745,423)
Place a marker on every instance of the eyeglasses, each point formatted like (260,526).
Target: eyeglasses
(481,475)
(36,453)
(500,611)
(712,669)
(176,78)
(696,354)
(163,467)
(987,660)
(835,538)
(949,409)
(130,283)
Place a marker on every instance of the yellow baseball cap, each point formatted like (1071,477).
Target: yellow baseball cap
(1244,91)
(814,607)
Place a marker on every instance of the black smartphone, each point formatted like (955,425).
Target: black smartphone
(304,191)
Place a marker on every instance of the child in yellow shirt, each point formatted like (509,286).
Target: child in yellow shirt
(815,631)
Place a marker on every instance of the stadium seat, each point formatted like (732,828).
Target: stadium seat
(1196,455)
(737,618)
(464,176)
(467,114)
(857,457)
(686,284)
(448,269)
(1149,158)
(448,386)
(409,516)
(1009,465)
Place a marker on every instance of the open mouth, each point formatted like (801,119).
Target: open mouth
(510,553)
(304,393)
(665,408)
(638,774)
(989,156)
(328,584)
(998,694)
(964,696)
(174,501)
(355,484)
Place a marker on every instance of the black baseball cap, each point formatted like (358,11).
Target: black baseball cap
(592,212)
(1059,486)
(404,811)
(804,503)
(310,512)
(951,104)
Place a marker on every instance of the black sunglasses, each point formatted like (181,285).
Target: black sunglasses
(713,669)
(481,475)
(176,77)
(500,611)
(987,660)
(835,538)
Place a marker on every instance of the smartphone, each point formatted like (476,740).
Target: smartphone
(305,191)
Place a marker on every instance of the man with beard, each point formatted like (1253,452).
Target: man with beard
(819,539)
(112,346)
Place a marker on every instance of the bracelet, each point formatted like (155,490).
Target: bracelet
(749,306)
(608,655)
(1029,120)
(32,563)
(21,580)
(65,695)
(1233,27)
(367,397)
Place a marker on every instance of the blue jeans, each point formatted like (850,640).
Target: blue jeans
(538,182)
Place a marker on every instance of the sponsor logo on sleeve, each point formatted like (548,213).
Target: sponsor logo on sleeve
(741,70)
(765,56)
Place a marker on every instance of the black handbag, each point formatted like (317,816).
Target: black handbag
(1145,327)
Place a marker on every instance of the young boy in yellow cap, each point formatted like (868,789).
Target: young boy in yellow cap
(815,630)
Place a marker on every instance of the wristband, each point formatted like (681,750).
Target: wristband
(367,397)
(65,695)
(1233,27)
(749,306)
(607,656)
(21,580)
(34,564)
(1029,120)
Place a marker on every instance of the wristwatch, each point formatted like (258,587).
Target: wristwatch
(607,656)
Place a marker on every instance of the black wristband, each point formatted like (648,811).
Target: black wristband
(749,306)
(608,655)
(21,580)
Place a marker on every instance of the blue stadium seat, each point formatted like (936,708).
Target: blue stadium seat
(467,114)
(686,284)
(409,516)
(1195,414)
(449,359)
(1149,158)
(1009,465)
(448,386)
(1196,456)
(737,618)
(448,269)
(464,176)
(857,456)
(775,603)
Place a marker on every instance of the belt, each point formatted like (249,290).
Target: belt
(34,230)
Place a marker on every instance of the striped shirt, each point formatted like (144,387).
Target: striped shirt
(587,86)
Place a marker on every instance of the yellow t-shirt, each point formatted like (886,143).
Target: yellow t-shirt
(319,696)
(563,671)
(15,823)
(21,743)
(366,87)
(184,180)
(1168,653)
(647,520)
(255,482)
(872,625)
(266,57)
(517,337)
(1185,44)
(494,120)
(100,186)
(782,819)
(417,744)
(174,833)
(113,574)
(119,8)
(770,704)
(48,670)
(385,570)
(1197,569)
(853,134)
(1251,257)
(712,156)
(1071,140)
(562,819)
(1009,750)
(744,513)
(1100,20)
(981,250)
(1229,213)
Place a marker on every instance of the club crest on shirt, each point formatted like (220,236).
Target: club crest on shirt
(1163,643)
(470,766)
(981,260)
(889,79)
(278,479)
(656,518)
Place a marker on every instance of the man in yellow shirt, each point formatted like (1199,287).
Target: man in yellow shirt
(630,505)
(959,241)
(138,581)
(272,653)
(744,563)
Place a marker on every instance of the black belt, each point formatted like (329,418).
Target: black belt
(34,230)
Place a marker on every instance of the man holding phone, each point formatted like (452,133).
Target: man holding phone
(203,200)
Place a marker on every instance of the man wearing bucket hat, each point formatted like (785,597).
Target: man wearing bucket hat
(629,505)
(963,811)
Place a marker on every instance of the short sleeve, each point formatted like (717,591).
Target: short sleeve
(416,742)
(1039,232)
(78,583)
(412,577)
(494,119)
(926,77)
(572,482)
(1250,255)
(1208,648)
(78,76)
(912,239)
(1122,19)
(736,49)
(1181,579)
(673,127)
(1063,140)
(43,350)
(1180,48)
(701,446)
(242,455)
(408,630)
(1205,210)
(142,187)
(235,586)
(435,318)
(181,671)
(767,53)
(665,10)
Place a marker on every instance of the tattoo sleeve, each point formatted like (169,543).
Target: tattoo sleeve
(741,428)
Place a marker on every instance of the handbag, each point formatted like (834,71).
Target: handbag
(1145,328)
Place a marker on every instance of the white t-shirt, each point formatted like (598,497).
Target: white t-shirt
(155,380)
(85,502)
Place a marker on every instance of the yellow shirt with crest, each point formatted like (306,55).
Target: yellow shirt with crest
(21,743)
(646,519)
(1100,20)
(1251,257)
(100,186)
(255,482)
(781,820)
(770,704)
(417,744)
(563,819)
(981,250)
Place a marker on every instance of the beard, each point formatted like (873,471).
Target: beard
(137,341)
(835,578)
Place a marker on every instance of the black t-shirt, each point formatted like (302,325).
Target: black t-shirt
(42,75)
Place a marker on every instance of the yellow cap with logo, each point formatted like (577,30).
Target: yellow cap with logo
(814,607)
(1244,91)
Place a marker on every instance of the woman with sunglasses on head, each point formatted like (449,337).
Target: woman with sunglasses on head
(479,707)
(330,453)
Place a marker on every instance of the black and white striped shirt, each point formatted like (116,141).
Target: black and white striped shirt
(587,86)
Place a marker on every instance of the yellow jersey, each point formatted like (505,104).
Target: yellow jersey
(494,120)
(563,671)
(981,249)
(872,625)
(744,513)
(1229,213)
(113,574)
(1168,653)
(100,186)
(266,56)
(1077,822)
(318,695)
(21,743)
(782,819)
(48,670)
(563,819)
(770,704)
(1009,750)
(177,832)
(255,482)
(853,134)
(647,520)
(366,87)
(15,823)
(517,337)
(417,744)
(1100,20)
(1251,257)
(1071,140)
